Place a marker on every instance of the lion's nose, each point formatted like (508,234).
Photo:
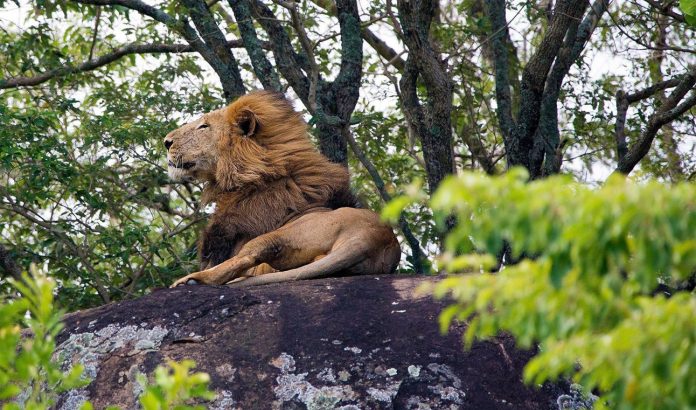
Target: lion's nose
(168,143)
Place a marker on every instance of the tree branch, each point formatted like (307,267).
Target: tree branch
(371,38)
(225,65)
(262,67)
(383,49)
(286,61)
(623,100)
(673,107)
(346,85)
(98,285)
(97,19)
(520,146)
(653,89)
(137,5)
(499,41)
(434,125)
(666,9)
(226,72)
(308,49)
(547,138)
(417,254)
(102,61)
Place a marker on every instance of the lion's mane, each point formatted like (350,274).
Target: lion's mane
(267,171)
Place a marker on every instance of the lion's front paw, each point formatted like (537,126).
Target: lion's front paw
(193,279)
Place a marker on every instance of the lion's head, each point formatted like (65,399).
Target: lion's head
(257,138)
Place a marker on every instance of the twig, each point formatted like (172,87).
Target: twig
(97,18)
(416,252)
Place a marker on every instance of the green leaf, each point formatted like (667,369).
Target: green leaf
(688,7)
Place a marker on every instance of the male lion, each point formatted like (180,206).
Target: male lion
(283,211)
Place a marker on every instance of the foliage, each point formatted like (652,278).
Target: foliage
(28,373)
(173,385)
(598,284)
(688,7)
(87,195)
(30,378)
(83,187)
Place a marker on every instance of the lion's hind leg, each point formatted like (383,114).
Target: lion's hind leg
(340,259)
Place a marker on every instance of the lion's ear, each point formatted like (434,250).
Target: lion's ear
(247,122)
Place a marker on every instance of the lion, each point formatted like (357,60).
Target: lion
(283,211)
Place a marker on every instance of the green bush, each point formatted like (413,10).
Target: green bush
(175,385)
(597,287)
(29,377)
(27,372)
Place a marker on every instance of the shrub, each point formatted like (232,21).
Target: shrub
(600,286)
(29,377)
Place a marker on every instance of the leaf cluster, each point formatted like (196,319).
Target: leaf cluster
(598,287)
(32,379)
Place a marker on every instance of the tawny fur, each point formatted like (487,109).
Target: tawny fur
(263,172)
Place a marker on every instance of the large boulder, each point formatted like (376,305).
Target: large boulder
(352,343)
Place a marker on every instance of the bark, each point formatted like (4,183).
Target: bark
(262,67)
(534,77)
(331,103)
(379,45)
(226,65)
(546,158)
(670,146)
(674,106)
(288,63)
(432,120)
(532,134)
(500,40)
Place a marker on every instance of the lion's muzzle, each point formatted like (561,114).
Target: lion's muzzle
(185,165)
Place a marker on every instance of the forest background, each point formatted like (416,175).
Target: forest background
(399,92)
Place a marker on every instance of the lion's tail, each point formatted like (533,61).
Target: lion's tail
(336,261)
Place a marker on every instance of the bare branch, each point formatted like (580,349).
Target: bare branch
(102,61)
(416,252)
(672,108)
(225,65)
(499,43)
(263,68)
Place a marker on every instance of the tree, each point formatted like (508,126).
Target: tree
(398,92)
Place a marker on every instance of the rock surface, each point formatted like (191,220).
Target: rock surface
(349,343)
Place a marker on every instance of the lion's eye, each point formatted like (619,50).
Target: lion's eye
(200,127)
